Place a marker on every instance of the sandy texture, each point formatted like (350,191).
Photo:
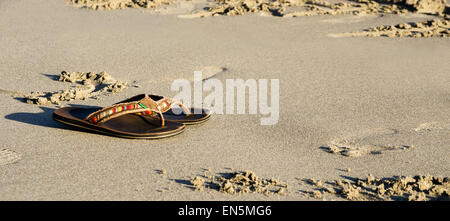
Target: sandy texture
(361,144)
(427,6)
(90,85)
(426,29)
(421,6)
(8,157)
(417,188)
(280,8)
(355,92)
(241,182)
(411,188)
(431,28)
(321,7)
(117,4)
(433,126)
(360,7)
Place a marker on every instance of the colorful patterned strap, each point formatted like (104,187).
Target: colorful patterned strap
(151,106)
(166,104)
(120,109)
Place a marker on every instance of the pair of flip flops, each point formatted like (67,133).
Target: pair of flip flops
(142,116)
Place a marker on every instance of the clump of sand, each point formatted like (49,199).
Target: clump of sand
(417,188)
(118,4)
(310,8)
(355,7)
(421,6)
(90,85)
(240,183)
(279,7)
(241,7)
(321,7)
(161,172)
(425,29)
(198,183)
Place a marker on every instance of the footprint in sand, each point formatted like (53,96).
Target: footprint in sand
(8,157)
(365,143)
(432,126)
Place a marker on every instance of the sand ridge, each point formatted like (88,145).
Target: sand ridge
(320,7)
(356,7)
(278,7)
(397,188)
(89,85)
(411,188)
(425,29)
(239,182)
(438,27)
(117,4)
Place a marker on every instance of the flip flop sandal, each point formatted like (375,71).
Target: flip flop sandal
(139,118)
(167,105)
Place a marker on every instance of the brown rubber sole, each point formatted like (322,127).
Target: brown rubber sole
(126,126)
(192,119)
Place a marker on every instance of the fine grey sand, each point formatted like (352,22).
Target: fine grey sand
(383,102)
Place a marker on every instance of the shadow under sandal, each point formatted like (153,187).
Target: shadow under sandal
(138,118)
(167,106)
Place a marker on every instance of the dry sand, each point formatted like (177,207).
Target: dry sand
(117,4)
(349,106)
(91,85)
(417,188)
(241,182)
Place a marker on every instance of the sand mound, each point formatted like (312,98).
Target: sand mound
(239,183)
(278,7)
(315,7)
(118,4)
(90,85)
(430,28)
(425,6)
(356,7)
(399,188)
(241,7)
(417,188)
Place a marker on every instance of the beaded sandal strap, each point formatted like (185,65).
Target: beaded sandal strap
(120,109)
(166,104)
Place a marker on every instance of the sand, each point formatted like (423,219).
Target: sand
(91,85)
(430,28)
(117,4)
(349,105)
(365,142)
(417,188)
(411,188)
(8,157)
(241,182)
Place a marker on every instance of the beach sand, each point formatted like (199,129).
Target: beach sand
(349,106)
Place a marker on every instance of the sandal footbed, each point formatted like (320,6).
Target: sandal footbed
(129,125)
